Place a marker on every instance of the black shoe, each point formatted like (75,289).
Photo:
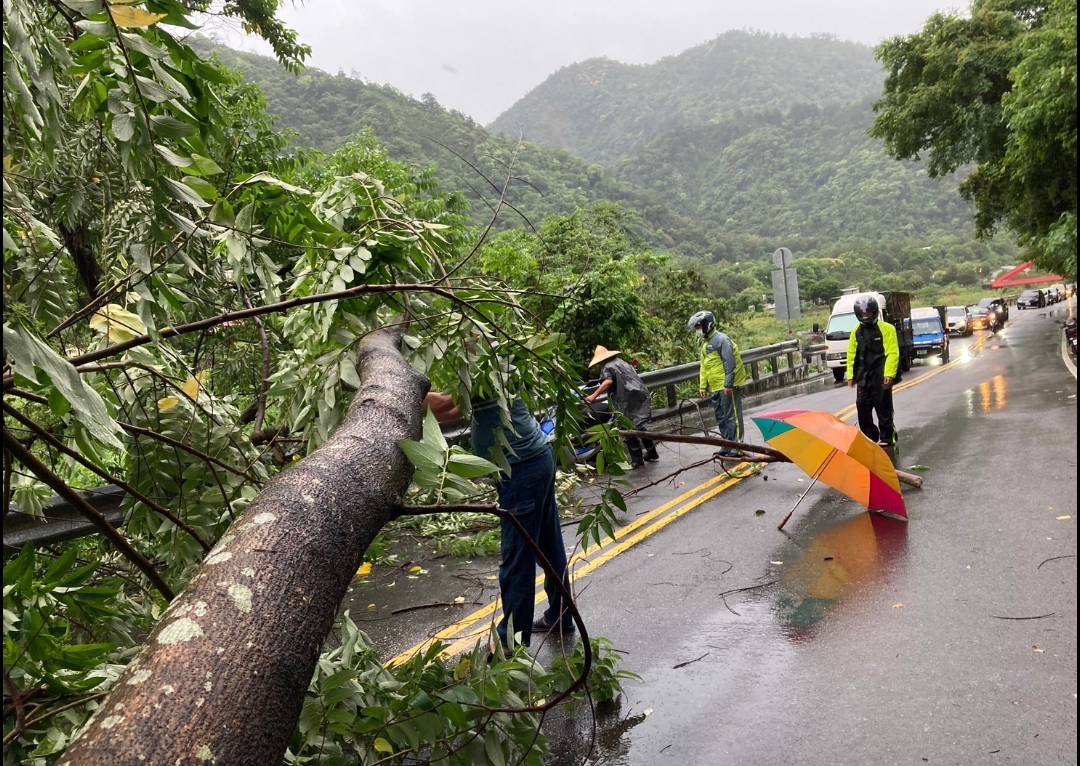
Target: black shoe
(637,464)
(542,627)
(732,453)
(651,457)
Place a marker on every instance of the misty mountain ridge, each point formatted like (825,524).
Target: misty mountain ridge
(726,150)
(603,110)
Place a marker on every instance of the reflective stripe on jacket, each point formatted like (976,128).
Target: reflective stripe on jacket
(721,364)
(890,348)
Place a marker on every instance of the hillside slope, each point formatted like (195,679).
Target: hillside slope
(603,110)
(719,182)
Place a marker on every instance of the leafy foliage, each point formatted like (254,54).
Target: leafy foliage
(717,167)
(183,297)
(998,89)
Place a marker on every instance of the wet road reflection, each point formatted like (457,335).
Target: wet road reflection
(840,561)
(989,397)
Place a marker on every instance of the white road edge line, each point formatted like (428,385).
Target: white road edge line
(1065,355)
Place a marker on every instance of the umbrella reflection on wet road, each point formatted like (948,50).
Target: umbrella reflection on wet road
(839,562)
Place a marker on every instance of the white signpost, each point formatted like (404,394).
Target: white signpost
(785,284)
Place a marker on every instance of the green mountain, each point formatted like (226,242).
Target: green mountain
(604,110)
(327,110)
(727,150)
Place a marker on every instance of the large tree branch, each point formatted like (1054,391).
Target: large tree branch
(223,675)
(95,517)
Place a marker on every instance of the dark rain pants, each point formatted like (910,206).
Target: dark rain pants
(874,397)
(529,494)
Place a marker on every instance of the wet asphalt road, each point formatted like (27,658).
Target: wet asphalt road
(863,640)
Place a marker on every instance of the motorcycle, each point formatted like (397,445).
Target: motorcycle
(585,451)
(1070,335)
(993,322)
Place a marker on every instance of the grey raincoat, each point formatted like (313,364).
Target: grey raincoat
(628,394)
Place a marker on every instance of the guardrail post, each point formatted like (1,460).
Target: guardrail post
(754,372)
(671,401)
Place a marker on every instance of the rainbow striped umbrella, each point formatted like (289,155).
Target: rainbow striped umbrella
(838,454)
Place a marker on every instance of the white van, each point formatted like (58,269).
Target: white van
(842,322)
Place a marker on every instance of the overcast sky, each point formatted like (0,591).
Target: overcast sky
(480,56)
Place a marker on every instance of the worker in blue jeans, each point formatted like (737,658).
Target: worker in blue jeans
(527,492)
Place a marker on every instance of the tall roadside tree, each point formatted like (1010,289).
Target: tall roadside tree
(996,89)
(184,306)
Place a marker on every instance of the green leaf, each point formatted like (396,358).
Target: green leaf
(425,457)
(204,166)
(269,178)
(205,189)
(470,466)
(183,193)
(85,7)
(918,467)
(171,157)
(152,90)
(382,746)
(169,127)
(27,352)
(123,127)
(139,43)
(433,433)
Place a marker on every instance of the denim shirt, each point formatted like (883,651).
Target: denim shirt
(525,438)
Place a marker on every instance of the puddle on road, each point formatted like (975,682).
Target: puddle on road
(836,565)
(990,396)
(576,741)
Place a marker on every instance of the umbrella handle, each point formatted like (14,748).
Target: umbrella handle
(784,520)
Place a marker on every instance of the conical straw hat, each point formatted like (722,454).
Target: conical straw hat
(602,355)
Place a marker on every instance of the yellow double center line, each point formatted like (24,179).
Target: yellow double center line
(464,633)
(467,630)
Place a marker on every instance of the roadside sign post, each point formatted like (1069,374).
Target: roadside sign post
(785,284)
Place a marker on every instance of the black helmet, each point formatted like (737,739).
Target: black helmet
(703,320)
(866,309)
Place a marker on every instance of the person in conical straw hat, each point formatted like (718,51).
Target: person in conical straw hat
(629,396)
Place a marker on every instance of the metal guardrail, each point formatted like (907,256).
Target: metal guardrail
(768,366)
(764,363)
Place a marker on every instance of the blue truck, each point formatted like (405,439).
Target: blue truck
(930,331)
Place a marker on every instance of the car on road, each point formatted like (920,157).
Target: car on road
(1031,299)
(1070,289)
(959,320)
(1057,293)
(978,317)
(996,304)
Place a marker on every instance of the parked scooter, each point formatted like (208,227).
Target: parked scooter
(1070,335)
(584,451)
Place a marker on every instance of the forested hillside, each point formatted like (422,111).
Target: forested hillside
(745,143)
(604,110)
(327,110)
(804,177)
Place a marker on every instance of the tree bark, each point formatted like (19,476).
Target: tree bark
(222,677)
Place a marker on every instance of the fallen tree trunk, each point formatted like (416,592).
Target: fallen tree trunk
(222,677)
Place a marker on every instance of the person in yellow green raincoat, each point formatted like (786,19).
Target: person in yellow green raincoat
(873,363)
(722,374)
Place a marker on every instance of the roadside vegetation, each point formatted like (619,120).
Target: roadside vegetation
(195,259)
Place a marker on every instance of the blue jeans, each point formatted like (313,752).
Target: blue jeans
(529,494)
(729,419)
